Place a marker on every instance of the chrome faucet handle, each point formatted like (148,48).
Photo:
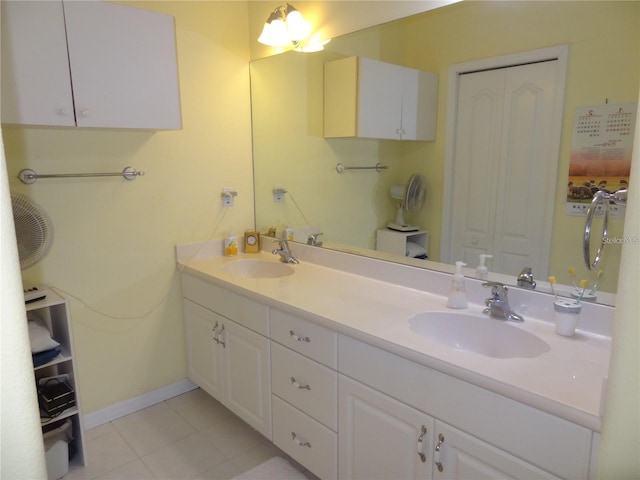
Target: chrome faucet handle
(525,279)
(313,239)
(498,290)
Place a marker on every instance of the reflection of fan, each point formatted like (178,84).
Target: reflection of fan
(411,198)
(34,230)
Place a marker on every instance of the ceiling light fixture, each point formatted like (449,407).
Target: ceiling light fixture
(285,26)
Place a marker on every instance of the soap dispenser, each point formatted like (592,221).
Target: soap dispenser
(458,293)
(482,271)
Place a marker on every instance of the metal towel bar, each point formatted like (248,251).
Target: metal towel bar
(620,198)
(28,176)
(340,168)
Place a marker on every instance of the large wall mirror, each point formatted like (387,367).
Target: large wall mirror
(290,152)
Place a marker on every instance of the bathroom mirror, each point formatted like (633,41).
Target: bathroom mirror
(292,157)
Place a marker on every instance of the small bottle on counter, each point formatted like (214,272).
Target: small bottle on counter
(458,292)
(482,271)
(230,245)
(288,235)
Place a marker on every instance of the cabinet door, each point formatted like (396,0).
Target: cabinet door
(247,375)
(203,364)
(461,456)
(123,66)
(380,100)
(36,87)
(419,104)
(380,437)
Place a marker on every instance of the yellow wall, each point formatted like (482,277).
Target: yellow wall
(114,240)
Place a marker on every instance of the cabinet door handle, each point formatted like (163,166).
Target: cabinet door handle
(423,432)
(85,112)
(299,442)
(436,453)
(221,338)
(295,383)
(214,329)
(298,338)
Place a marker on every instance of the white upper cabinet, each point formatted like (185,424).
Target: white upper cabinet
(372,99)
(88,64)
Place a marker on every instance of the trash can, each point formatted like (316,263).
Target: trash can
(56,447)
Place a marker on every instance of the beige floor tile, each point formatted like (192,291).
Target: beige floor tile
(233,436)
(199,409)
(104,454)
(153,428)
(135,470)
(256,455)
(185,458)
(98,431)
(224,471)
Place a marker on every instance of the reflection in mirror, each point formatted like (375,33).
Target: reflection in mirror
(291,153)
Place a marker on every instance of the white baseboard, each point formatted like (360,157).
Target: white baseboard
(134,404)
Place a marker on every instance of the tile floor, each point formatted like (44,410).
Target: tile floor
(191,436)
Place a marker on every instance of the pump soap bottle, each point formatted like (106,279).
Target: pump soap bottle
(458,293)
(482,271)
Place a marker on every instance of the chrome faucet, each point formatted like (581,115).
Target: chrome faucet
(313,239)
(285,252)
(525,279)
(498,303)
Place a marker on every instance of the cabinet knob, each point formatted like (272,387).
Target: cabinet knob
(64,111)
(423,432)
(299,442)
(298,385)
(298,338)
(85,112)
(436,453)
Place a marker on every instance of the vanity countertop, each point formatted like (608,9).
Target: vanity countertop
(567,381)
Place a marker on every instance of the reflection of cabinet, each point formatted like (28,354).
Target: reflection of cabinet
(393,241)
(373,99)
(88,64)
(305,392)
(54,313)
(226,358)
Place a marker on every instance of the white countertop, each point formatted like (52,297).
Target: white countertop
(566,381)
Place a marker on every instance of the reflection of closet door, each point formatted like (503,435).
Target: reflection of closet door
(505,166)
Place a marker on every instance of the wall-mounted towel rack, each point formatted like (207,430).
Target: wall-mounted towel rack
(340,168)
(28,176)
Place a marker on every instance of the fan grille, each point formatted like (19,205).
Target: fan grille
(414,198)
(34,230)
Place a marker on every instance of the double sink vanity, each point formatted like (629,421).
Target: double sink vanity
(356,369)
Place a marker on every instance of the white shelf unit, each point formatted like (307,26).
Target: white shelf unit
(393,241)
(53,310)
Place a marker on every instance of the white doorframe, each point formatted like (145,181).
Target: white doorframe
(559,53)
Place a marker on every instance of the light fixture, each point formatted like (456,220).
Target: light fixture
(285,26)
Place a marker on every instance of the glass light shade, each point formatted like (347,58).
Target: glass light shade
(275,34)
(298,28)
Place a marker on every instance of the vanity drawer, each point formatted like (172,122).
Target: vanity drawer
(242,310)
(307,338)
(320,399)
(308,442)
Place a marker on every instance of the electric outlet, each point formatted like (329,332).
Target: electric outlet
(278,193)
(227,196)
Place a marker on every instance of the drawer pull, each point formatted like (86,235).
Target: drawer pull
(436,453)
(295,383)
(298,338)
(423,432)
(299,442)
(214,329)
(220,335)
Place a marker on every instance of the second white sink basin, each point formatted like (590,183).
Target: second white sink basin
(484,335)
(251,268)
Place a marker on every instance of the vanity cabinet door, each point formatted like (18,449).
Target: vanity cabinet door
(380,437)
(203,364)
(460,456)
(35,68)
(247,375)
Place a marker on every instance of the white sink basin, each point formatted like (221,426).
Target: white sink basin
(250,268)
(484,335)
